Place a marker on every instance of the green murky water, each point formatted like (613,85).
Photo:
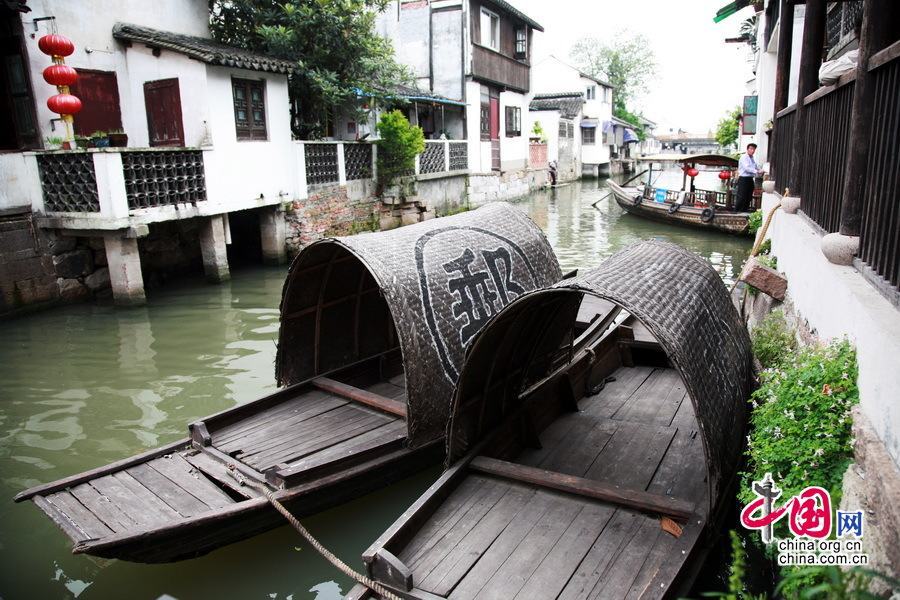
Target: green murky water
(85,385)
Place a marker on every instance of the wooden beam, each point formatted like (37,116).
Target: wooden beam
(785,43)
(636,499)
(350,392)
(810,61)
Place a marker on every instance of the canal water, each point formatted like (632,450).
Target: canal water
(85,385)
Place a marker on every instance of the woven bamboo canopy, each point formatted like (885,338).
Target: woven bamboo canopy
(424,290)
(677,295)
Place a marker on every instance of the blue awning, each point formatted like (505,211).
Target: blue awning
(589,123)
(630,136)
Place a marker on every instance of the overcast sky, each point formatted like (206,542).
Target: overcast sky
(699,76)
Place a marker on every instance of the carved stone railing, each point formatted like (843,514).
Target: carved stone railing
(433,158)
(155,178)
(321,162)
(68,182)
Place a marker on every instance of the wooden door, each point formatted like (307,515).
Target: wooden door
(495,132)
(163,102)
(99,94)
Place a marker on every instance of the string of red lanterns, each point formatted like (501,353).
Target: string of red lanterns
(62,76)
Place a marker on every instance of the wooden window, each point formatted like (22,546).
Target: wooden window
(249,109)
(513,121)
(521,43)
(99,94)
(162,100)
(588,136)
(490,29)
(591,92)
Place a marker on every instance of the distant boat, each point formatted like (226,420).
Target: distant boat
(373,334)
(689,206)
(593,467)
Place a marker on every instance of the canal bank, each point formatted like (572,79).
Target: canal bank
(88,384)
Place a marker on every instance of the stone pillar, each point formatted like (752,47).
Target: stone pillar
(212,246)
(124,263)
(272,233)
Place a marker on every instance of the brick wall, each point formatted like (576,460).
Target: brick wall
(537,155)
(329,211)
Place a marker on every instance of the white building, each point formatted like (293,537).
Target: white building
(474,53)
(557,116)
(552,77)
(208,131)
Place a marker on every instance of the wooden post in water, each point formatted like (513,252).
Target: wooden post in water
(810,61)
(785,44)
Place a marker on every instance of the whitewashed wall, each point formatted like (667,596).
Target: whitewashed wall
(89,26)
(20,182)
(513,150)
(247,169)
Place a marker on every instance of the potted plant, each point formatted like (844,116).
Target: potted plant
(53,143)
(82,141)
(117,138)
(99,139)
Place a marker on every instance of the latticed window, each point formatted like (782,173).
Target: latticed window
(521,43)
(249,109)
(513,121)
(588,136)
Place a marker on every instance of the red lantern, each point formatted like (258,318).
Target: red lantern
(60,75)
(56,45)
(725,175)
(64,104)
(692,172)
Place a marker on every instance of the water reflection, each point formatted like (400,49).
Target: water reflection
(83,386)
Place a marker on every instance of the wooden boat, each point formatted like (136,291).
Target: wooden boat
(373,331)
(689,206)
(596,478)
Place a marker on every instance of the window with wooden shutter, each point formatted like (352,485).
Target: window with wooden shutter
(249,109)
(513,121)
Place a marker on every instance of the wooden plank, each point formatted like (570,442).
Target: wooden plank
(67,482)
(167,490)
(78,523)
(656,401)
(387,405)
(632,498)
(575,454)
(293,449)
(552,575)
(665,561)
(681,473)
(533,549)
(623,569)
(218,471)
(352,451)
(303,411)
(127,501)
(386,389)
(616,393)
(150,502)
(103,508)
(311,402)
(632,455)
(175,468)
(498,548)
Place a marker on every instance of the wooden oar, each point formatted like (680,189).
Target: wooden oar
(623,183)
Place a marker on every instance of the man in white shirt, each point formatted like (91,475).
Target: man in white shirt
(747,170)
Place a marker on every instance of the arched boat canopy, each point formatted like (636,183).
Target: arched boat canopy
(677,295)
(426,289)
(707,160)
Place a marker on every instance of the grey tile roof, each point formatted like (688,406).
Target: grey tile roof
(506,6)
(203,49)
(567,103)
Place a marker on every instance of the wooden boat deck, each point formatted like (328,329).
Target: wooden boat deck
(303,436)
(498,537)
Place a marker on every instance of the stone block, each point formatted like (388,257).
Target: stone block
(765,279)
(73,264)
(840,249)
(428,214)
(97,280)
(58,244)
(32,291)
(388,222)
(100,257)
(790,204)
(72,290)
(409,218)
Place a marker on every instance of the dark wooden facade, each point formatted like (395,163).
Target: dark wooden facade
(502,67)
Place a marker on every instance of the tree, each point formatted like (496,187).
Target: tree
(727,129)
(339,55)
(627,63)
(398,144)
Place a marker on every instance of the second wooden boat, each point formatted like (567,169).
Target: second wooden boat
(690,206)
(373,332)
(596,477)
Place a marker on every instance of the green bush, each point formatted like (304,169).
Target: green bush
(754,222)
(398,146)
(772,340)
(800,421)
